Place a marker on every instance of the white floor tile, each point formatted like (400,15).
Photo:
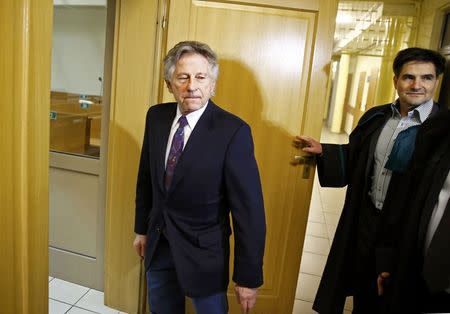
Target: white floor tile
(66,291)
(77,310)
(316,215)
(331,230)
(56,307)
(316,229)
(332,199)
(325,209)
(331,218)
(316,202)
(307,287)
(93,301)
(316,245)
(329,137)
(303,307)
(312,264)
(348,303)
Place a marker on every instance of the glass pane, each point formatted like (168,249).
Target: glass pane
(77,72)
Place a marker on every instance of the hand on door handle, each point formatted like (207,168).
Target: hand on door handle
(308,144)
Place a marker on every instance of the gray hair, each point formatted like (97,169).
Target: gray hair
(175,54)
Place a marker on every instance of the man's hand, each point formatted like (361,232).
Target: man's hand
(382,282)
(308,144)
(139,244)
(246,297)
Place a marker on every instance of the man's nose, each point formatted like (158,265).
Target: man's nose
(192,85)
(416,84)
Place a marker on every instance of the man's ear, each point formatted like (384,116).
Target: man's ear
(212,89)
(394,80)
(169,86)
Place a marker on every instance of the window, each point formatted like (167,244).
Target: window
(77,71)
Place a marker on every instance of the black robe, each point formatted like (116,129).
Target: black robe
(432,160)
(352,165)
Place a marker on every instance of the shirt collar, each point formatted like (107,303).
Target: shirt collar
(421,112)
(192,117)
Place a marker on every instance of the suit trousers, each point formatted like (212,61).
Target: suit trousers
(165,295)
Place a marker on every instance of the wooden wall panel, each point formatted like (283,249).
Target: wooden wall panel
(25,61)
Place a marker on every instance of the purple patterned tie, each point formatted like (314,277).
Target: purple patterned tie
(175,151)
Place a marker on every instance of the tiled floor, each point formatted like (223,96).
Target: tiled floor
(67,297)
(324,212)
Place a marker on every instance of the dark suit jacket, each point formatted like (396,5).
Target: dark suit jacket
(215,175)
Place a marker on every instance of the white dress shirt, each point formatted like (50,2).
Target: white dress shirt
(192,119)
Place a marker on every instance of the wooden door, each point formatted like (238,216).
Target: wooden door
(273,58)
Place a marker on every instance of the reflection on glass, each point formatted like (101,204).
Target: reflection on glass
(77,71)
(75,122)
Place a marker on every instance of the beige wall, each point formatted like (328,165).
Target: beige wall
(431,21)
(339,95)
(360,64)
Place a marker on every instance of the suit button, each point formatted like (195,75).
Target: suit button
(158,229)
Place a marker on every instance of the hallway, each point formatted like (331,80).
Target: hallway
(324,212)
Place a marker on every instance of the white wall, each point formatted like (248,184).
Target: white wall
(80,2)
(340,88)
(361,64)
(78,49)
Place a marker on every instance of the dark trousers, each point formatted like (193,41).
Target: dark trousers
(365,292)
(165,295)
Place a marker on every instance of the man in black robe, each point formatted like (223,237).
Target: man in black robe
(374,165)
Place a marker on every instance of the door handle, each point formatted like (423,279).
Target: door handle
(307,161)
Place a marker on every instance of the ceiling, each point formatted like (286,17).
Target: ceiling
(363,27)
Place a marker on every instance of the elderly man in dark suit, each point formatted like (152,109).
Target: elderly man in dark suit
(197,165)
(376,167)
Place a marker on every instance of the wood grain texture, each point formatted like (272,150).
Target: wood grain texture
(25,60)
(132,80)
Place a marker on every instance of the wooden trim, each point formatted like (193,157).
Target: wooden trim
(74,163)
(25,65)
(132,90)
